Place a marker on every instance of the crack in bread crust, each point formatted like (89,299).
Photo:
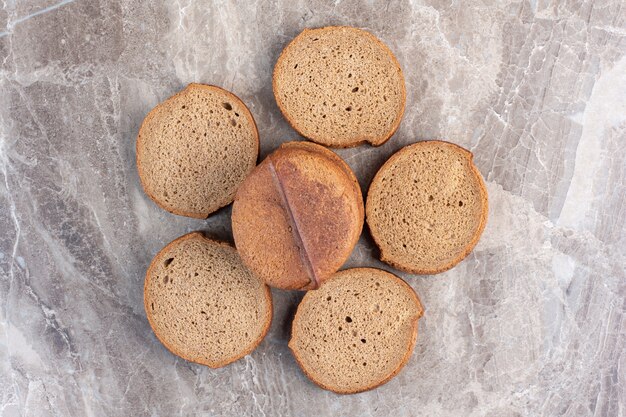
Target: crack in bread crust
(295,228)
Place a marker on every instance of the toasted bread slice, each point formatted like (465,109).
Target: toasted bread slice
(340,87)
(202,302)
(427,207)
(356,331)
(195,149)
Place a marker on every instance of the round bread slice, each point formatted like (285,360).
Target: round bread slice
(427,207)
(297,216)
(202,302)
(356,331)
(340,87)
(195,149)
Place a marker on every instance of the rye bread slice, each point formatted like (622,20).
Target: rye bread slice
(427,207)
(202,302)
(297,216)
(340,87)
(356,331)
(195,148)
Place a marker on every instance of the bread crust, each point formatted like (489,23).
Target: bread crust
(405,358)
(159,258)
(326,141)
(152,114)
(313,147)
(471,244)
(262,190)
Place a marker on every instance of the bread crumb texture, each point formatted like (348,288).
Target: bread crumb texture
(195,149)
(357,330)
(427,207)
(340,86)
(203,303)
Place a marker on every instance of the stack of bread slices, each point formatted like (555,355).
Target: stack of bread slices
(297,216)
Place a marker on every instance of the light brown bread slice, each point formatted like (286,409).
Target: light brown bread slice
(297,216)
(356,331)
(195,148)
(340,87)
(427,207)
(202,302)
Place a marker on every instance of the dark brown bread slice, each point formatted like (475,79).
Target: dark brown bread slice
(195,148)
(340,87)
(202,302)
(356,331)
(297,216)
(427,207)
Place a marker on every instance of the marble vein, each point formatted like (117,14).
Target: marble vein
(48,9)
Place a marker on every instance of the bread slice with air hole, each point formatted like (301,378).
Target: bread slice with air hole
(202,302)
(427,207)
(356,331)
(297,216)
(340,87)
(195,148)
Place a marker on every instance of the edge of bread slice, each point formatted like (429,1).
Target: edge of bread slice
(329,140)
(346,333)
(184,180)
(377,231)
(189,297)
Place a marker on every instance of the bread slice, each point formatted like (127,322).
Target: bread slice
(427,207)
(356,331)
(195,148)
(340,87)
(298,216)
(203,304)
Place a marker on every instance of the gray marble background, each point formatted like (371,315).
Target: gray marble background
(532,323)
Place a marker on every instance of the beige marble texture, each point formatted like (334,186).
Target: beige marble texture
(532,323)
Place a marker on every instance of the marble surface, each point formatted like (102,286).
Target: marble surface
(532,323)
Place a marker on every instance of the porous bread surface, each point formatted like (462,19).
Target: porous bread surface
(340,87)
(203,304)
(357,330)
(195,149)
(427,207)
(297,216)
